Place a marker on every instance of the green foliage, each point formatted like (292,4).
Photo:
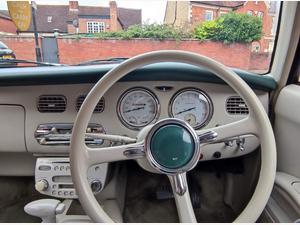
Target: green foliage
(207,30)
(231,27)
(154,31)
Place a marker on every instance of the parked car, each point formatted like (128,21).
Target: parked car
(6,53)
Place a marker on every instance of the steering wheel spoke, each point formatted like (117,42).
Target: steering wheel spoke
(115,153)
(182,198)
(224,132)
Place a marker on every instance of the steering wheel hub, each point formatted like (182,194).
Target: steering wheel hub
(172,146)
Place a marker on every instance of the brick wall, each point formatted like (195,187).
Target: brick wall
(72,50)
(23,47)
(256,7)
(87,48)
(259,61)
(198,13)
(7,26)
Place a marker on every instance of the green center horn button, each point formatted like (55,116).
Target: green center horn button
(172,146)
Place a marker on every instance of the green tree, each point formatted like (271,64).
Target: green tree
(231,27)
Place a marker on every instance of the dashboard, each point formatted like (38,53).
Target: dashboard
(126,108)
(38,108)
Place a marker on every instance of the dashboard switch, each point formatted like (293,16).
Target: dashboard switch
(41,185)
(241,144)
(96,186)
(217,155)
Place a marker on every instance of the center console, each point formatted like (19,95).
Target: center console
(53,177)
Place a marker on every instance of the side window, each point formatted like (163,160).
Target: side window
(209,15)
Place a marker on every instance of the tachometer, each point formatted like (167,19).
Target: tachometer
(192,106)
(137,108)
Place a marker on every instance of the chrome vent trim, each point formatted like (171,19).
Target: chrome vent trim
(51,103)
(99,107)
(236,105)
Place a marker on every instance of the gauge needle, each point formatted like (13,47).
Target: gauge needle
(135,109)
(186,110)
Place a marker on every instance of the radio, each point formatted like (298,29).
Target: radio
(60,134)
(53,177)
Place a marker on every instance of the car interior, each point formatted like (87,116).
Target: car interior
(164,136)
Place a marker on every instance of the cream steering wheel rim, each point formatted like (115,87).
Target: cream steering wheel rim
(80,158)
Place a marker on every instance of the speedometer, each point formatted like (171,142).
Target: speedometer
(137,108)
(192,106)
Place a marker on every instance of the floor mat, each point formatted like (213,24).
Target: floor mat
(141,204)
(16,192)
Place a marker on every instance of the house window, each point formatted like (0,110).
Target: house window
(223,13)
(256,2)
(250,12)
(255,47)
(209,15)
(49,19)
(95,27)
(260,14)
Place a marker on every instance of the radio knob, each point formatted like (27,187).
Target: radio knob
(41,185)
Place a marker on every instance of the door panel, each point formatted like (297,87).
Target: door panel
(287,130)
(284,203)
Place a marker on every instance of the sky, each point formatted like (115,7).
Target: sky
(152,11)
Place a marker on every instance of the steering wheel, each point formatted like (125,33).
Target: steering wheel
(172,146)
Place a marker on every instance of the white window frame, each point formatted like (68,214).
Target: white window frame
(49,19)
(250,12)
(222,13)
(208,12)
(260,14)
(95,27)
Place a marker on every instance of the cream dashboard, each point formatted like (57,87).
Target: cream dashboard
(125,109)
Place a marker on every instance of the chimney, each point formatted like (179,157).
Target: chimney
(73,6)
(113,12)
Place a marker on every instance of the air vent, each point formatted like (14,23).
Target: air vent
(52,103)
(236,105)
(99,107)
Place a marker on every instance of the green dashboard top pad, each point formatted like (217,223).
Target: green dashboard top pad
(91,74)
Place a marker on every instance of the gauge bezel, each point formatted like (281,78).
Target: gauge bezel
(207,98)
(157,108)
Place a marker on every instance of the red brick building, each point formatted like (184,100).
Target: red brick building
(6,24)
(74,18)
(189,14)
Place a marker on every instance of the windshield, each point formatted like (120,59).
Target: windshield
(239,34)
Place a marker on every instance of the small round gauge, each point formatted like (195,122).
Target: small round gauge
(137,108)
(192,106)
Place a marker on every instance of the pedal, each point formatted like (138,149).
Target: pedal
(195,191)
(164,192)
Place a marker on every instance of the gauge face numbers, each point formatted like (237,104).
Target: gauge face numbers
(192,106)
(138,108)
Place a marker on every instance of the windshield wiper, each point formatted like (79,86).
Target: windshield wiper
(102,61)
(12,61)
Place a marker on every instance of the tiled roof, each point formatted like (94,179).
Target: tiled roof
(4,14)
(128,17)
(227,4)
(61,16)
